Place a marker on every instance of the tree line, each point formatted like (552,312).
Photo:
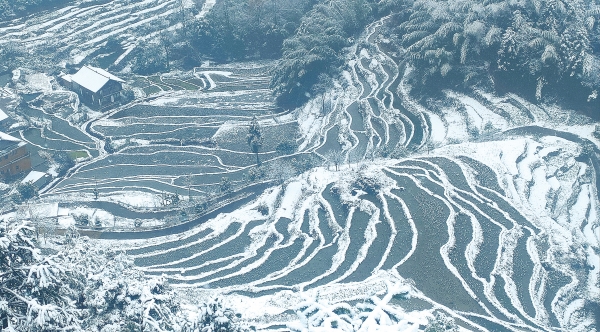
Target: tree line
(232,30)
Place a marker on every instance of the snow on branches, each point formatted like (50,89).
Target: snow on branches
(84,287)
(367,314)
(33,295)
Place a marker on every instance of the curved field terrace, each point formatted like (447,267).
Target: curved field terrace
(479,205)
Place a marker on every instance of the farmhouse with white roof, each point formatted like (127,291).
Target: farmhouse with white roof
(94,85)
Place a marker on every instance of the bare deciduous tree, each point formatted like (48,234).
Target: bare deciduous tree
(335,157)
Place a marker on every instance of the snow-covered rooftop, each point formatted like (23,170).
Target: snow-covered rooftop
(33,176)
(7,141)
(8,138)
(93,78)
(3,116)
(66,77)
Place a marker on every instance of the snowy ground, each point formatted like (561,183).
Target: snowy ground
(487,210)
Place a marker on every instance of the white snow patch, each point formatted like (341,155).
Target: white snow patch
(579,209)
(456,128)
(135,198)
(482,112)
(39,82)
(207,75)
(438,129)
(206,7)
(290,199)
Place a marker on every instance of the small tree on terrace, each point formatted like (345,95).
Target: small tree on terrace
(255,138)
(336,157)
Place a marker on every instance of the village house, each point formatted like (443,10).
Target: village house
(4,120)
(14,156)
(38,179)
(95,86)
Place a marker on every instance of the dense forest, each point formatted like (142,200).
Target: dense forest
(542,48)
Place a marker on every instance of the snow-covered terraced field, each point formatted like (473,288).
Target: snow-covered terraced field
(441,220)
(52,128)
(182,140)
(80,29)
(487,205)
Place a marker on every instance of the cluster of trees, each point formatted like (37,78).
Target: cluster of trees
(83,288)
(541,47)
(315,51)
(242,29)
(232,30)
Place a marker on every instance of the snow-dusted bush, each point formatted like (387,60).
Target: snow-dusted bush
(213,317)
(255,173)
(370,180)
(263,208)
(441,323)
(369,314)
(86,288)
(24,192)
(35,292)
(112,295)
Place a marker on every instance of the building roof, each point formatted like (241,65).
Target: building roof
(93,78)
(33,176)
(3,116)
(66,77)
(7,141)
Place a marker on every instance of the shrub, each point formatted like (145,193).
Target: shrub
(109,146)
(201,207)
(82,219)
(287,147)
(441,323)
(303,163)
(367,183)
(169,199)
(255,173)
(27,190)
(225,185)
(128,95)
(64,162)
(150,59)
(263,209)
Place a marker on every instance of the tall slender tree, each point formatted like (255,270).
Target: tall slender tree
(254,137)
